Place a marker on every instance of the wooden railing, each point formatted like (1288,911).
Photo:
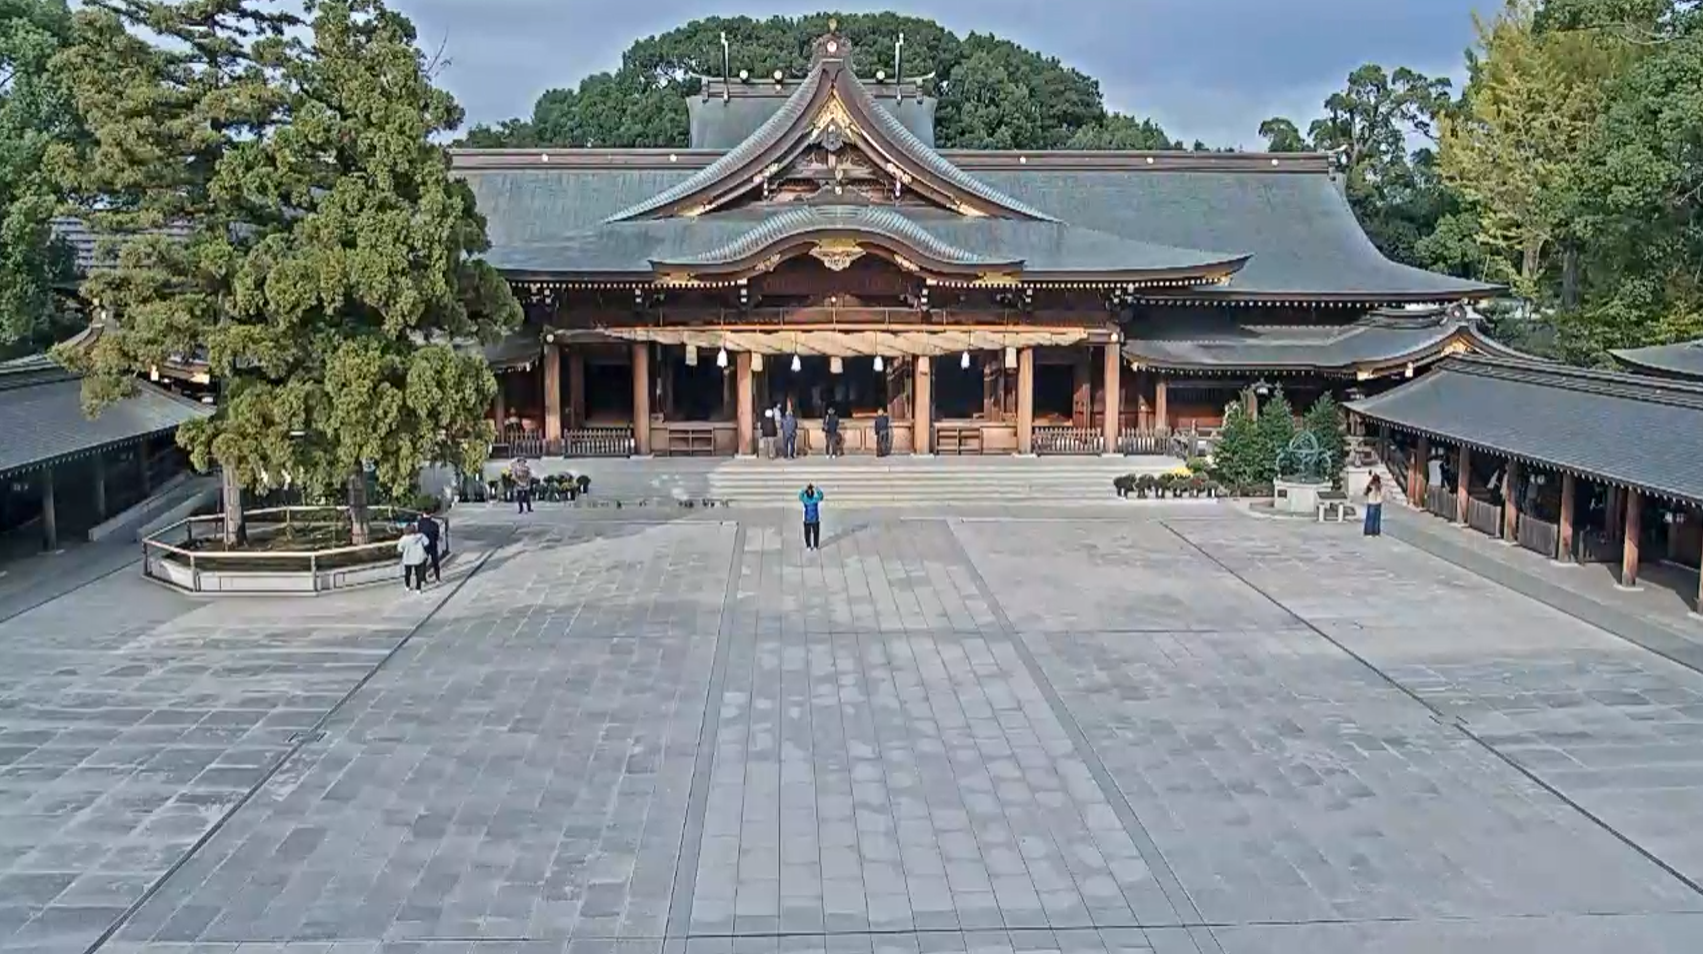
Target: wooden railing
(1597,546)
(519,445)
(1539,536)
(958,439)
(691,440)
(1484,516)
(1442,502)
(1132,441)
(608,441)
(1065,439)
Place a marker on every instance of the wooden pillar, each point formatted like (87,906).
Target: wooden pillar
(1629,546)
(1419,471)
(1109,418)
(641,398)
(1143,407)
(552,394)
(1511,501)
(576,388)
(1026,401)
(1082,401)
(1569,491)
(100,486)
(501,409)
(49,512)
(922,405)
(744,395)
(1161,408)
(1463,482)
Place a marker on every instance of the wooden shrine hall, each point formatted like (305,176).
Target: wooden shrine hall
(814,250)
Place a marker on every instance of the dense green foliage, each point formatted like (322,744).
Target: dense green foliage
(327,266)
(1328,425)
(993,94)
(35,111)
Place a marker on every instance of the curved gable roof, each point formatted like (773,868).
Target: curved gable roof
(869,220)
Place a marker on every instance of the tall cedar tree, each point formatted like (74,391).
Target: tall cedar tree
(35,111)
(165,116)
(359,296)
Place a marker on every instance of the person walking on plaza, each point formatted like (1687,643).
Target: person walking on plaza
(1375,507)
(883,433)
(811,498)
(831,431)
(522,485)
(434,555)
(770,430)
(789,435)
(412,546)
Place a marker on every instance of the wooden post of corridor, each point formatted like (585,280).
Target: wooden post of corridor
(1161,408)
(922,406)
(1418,472)
(1629,545)
(1025,401)
(1113,389)
(1463,482)
(641,399)
(1511,501)
(743,397)
(1569,490)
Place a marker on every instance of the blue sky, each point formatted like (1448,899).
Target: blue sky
(1206,69)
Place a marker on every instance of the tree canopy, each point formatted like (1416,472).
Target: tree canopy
(35,111)
(993,93)
(326,264)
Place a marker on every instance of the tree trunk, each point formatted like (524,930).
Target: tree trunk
(1570,277)
(235,532)
(360,521)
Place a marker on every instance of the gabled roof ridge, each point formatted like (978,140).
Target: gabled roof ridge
(799,221)
(1634,387)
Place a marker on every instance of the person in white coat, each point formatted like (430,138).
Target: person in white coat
(415,552)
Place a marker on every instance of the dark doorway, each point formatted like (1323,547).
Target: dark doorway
(858,390)
(700,390)
(1055,391)
(608,393)
(958,390)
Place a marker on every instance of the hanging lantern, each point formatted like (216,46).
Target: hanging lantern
(721,358)
(964,361)
(834,366)
(1010,358)
(691,356)
(756,361)
(797,365)
(878,365)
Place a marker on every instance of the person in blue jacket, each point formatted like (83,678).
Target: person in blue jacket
(811,498)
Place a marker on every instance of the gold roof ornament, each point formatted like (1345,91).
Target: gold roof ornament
(837,253)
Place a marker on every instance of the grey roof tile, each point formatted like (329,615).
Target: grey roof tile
(1633,430)
(723,124)
(1216,340)
(41,416)
(1684,360)
(812,218)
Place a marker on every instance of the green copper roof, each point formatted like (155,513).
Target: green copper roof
(1215,340)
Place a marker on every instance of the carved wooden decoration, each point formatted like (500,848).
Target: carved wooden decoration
(837,254)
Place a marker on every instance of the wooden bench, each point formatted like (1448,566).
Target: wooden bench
(958,439)
(1333,500)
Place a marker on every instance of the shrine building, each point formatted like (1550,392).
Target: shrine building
(814,249)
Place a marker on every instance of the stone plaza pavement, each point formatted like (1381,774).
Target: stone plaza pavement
(1168,729)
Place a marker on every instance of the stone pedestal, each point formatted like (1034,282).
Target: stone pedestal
(1354,481)
(1293,496)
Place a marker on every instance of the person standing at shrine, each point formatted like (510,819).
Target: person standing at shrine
(522,485)
(831,431)
(770,430)
(811,498)
(883,433)
(1375,507)
(434,552)
(789,435)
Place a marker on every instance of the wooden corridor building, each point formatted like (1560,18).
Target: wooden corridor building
(1578,465)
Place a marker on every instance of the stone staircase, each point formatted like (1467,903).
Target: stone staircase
(853,481)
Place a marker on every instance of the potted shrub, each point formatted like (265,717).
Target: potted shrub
(1123,484)
(583,483)
(1167,485)
(1197,484)
(1146,485)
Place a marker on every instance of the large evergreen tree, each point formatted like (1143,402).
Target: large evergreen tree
(323,265)
(35,111)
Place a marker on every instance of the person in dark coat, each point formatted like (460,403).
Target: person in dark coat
(770,430)
(434,551)
(831,431)
(789,435)
(883,433)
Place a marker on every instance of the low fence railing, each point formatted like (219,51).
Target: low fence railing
(519,445)
(1132,441)
(1065,439)
(1597,546)
(1442,502)
(182,546)
(1539,536)
(609,441)
(1484,516)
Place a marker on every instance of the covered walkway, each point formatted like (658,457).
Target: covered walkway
(1577,465)
(62,471)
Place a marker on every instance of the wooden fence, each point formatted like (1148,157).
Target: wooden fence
(1064,439)
(1442,502)
(1539,536)
(1484,516)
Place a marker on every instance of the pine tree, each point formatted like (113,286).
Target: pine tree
(1237,457)
(374,279)
(1276,428)
(1326,423)
(169,92)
